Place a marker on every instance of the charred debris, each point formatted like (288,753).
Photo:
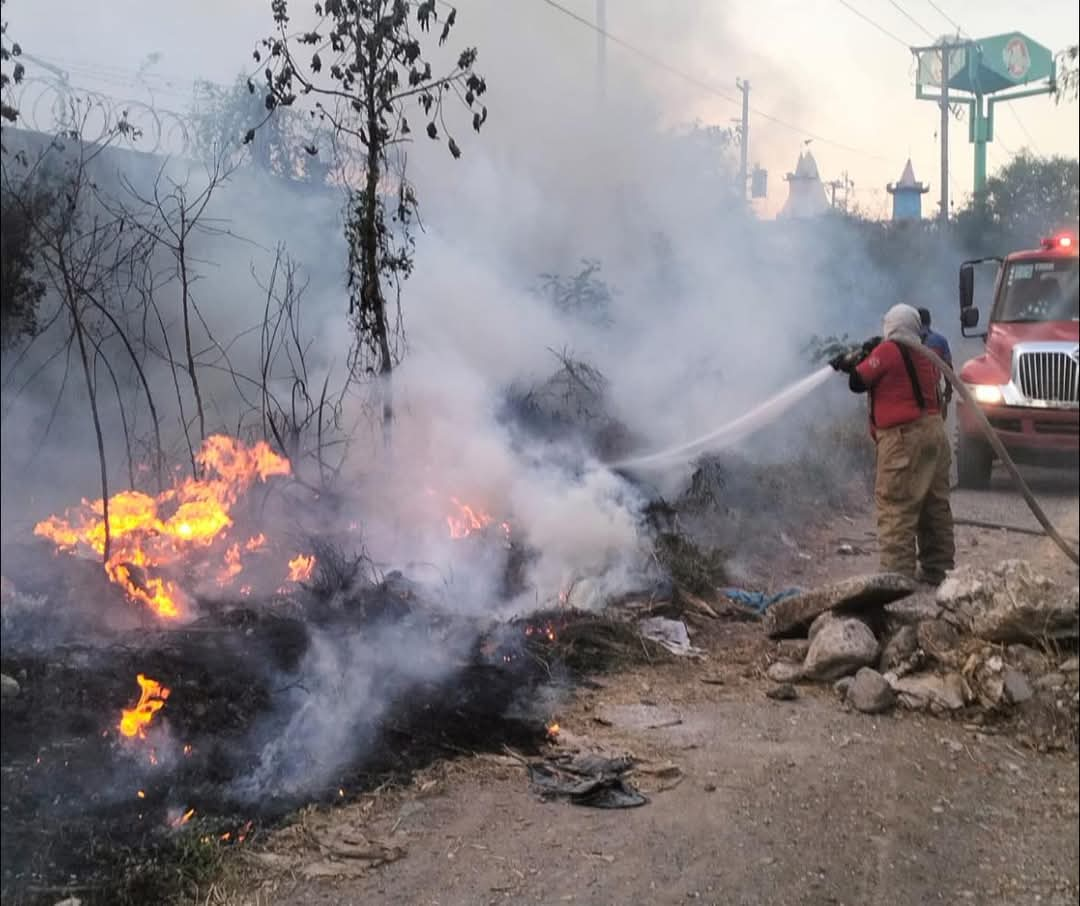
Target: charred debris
(135,748)
(110,818)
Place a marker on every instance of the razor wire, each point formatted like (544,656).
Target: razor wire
(51,104)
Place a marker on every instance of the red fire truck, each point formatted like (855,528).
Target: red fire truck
(1027,382)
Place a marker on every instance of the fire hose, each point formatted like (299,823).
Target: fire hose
(998,447)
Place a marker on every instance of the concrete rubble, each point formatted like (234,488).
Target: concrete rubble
(988,642)
(931,691)
(1009,603)
(792,616)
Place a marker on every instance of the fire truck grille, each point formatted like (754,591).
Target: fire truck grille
(1049,377)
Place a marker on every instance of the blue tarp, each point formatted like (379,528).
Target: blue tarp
(758,600)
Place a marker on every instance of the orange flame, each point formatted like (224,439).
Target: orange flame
(148,532)
(184,818)
(233,567)
(300,567)
(547,629)
(553,729)
(134,721)
(468,520)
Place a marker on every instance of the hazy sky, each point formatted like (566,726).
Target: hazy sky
(816,65)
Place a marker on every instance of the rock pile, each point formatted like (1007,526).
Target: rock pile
(990,640)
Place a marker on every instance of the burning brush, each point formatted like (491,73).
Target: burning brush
(149,534)
(134,721)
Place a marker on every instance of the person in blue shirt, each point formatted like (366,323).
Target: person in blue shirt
(936,342)
(933,339)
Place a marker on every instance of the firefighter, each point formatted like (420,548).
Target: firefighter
(911,490)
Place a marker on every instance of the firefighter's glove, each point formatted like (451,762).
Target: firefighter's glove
(846,361)
(870,345)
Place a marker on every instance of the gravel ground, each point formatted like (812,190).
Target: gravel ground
(768,802)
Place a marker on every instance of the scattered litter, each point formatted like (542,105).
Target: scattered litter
(589,780)
(712,680)
(671,634)
(758,600)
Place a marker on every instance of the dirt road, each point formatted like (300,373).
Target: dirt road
(753,801)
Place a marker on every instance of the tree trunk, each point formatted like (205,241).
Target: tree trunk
(372,297)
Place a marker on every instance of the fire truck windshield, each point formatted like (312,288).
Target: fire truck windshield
(1035,290)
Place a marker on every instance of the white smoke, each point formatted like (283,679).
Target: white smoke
(710,314)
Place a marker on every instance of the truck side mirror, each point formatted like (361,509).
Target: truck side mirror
(969,316)
(967,289)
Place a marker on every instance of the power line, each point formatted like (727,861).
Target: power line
(644,54)
(944,15)
(699,83)
(1016,116)
(880,28)
(926,31)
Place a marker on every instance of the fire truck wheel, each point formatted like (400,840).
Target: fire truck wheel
(974,461)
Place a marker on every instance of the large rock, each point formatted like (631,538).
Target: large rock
(901,645)
(929,690)
(793,616)
(839,648)
(1009,603)
(870,693)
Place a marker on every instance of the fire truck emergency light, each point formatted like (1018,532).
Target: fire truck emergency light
(1063,241)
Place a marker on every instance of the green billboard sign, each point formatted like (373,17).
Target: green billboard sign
(983,73)
(1004,61)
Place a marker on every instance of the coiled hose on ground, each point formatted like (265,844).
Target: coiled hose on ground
(999,448)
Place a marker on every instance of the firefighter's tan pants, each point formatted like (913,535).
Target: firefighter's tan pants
(912,497)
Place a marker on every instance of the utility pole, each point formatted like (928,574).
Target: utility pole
(944,213)
(601,49)
(744,137)
(844,183)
